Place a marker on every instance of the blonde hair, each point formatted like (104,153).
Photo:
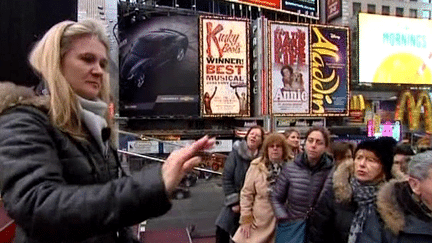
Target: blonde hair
(46,59)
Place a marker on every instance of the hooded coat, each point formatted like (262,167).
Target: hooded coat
(236,165)
(401,219)
(60,189)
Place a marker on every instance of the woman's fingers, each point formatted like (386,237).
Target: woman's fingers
(183,160)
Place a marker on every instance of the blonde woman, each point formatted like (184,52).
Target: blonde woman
(292,136)
(257,221)
(60,177)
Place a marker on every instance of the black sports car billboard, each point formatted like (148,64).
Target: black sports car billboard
(159,73)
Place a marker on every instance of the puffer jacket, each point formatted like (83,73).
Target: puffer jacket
(236,166)
(298,185)
(60,189)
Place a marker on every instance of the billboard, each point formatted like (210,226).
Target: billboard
(159,73)
(289,68)
(306,8)
(394,50)
(329,70)
(224,63)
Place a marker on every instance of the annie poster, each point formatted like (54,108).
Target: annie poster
(329,70)
(224,59)
(289,69)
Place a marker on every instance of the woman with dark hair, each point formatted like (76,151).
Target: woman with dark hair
(342,151)
(348,205)
(301,182)
(257,221)
(236,166)
(292,136)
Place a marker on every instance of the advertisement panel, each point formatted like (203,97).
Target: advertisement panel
(395,50)
(306,8)
(224,62)
(330,70)
(289,68)
(333,9)
(159,73)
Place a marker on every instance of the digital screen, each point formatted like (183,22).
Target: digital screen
(394,50)
(387,129)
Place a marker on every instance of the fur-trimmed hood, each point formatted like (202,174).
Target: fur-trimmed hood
(14,95)
(341,181)
(242,149)
(389,209)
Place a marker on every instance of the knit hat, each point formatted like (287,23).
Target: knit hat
(383,148)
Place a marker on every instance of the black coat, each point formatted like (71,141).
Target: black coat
(236,166)
(59,189)
(399,219)
(333,215)
(297,187)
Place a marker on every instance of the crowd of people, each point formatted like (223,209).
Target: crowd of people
(373,191)
(61,180)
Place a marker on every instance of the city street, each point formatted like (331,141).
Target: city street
(199,211)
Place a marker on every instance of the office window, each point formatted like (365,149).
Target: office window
(371,8)
(399,12)
(426,14)
(356,8)
(385,10)
(413,13)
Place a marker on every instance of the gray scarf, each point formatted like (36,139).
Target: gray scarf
(93,115)
(364,196)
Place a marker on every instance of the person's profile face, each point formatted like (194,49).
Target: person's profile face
(294,140)
(84,66)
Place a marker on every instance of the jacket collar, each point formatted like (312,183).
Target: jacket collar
(243,150)
(341,181)
(393,213)
(325,162)
(13,95)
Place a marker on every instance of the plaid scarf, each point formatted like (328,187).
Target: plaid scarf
(274,170)
(364,196)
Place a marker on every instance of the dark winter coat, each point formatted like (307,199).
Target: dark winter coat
(403,220)
(298,185)
(334,213)
(59,189)
(236,166)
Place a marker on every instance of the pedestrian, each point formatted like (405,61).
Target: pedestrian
(345,208)
(342,151)
(405,207)
(257,221)
(236,165)
(60,176)
(402,155)
(293,138)
(299,185)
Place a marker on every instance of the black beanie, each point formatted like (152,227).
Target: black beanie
(383,148)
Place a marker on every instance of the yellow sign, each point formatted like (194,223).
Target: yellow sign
(414,109)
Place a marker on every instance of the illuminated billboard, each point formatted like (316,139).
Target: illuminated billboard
(224,62)
(394,50)
(306,8)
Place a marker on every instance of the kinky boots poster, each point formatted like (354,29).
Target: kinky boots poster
(224,63)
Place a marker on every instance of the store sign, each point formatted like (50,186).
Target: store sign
(225,85)
(221,145)
(301,124)
(333,9)
(307,8)
(143,147)
(415,110)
